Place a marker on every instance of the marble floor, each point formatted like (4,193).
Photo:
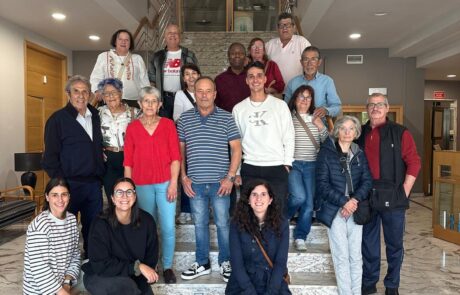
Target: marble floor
(431,266)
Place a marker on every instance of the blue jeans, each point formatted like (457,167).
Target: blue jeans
(153,199)
(199,205)
(301,192)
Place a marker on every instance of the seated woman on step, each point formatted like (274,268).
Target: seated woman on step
(258,227)
(123,247)
(52,255)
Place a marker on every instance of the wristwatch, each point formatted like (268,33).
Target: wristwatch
(67,282)
(231,178)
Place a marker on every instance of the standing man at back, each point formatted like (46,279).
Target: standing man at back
(164,68)
(287,49)
(394,163)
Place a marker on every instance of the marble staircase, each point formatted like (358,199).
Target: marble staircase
(311,272)
(211,48)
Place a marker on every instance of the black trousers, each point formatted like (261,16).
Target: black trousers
(168,105)
(114,170)
(276,176)
(119,285)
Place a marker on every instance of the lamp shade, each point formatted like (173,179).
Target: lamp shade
(27,161)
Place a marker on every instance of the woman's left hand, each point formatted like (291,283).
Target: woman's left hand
(172,191)
(149,273)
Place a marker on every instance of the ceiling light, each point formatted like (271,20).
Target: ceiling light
(94,37)
(355,36)
(451,76)
(58,16)
(382,13)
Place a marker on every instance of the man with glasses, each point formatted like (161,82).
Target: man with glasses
(286,49)
(394,164)
(164,68)
(73,150)
(327,101)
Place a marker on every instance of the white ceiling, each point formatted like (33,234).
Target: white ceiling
(426,29)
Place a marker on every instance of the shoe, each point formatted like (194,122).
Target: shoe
(169,276)
(391,291)
(196,270)
(184,218)
(366,290)
(300,245)
(225,270)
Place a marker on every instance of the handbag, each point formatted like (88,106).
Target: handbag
(286,276)
(362,215)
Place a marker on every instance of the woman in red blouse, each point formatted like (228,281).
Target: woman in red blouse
(152,160)
(275,83)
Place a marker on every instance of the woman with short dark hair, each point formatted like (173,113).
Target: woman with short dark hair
(119,62)
(258,218)
(123,246)
(52,253)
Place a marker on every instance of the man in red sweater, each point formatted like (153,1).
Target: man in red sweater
(394,165)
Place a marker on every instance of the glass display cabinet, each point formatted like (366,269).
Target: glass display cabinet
(446,196)
(395,113)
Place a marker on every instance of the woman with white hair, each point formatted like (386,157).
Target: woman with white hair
(152,160)
(343,180)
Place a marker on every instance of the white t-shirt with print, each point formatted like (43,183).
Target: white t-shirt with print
(171,71)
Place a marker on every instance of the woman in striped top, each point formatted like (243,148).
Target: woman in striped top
(302,175)
(52,255)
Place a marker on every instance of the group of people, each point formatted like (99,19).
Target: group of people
(165,131)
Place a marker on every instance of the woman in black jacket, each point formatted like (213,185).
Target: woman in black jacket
(258,217)
(123,247)
(338,200)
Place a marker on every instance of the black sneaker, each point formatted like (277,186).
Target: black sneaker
(366,290)
(391,291)
(225,270)
(196,270)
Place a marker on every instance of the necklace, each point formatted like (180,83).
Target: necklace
(257,104)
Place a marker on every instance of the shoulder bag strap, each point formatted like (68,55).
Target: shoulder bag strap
(189,97)
(270,263)
(343,162)
(123,66)
(310,135)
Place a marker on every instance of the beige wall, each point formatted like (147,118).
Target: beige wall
(12,129)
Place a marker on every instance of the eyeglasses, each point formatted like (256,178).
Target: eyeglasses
(301,97)
(255,47)
(111,94)
(312,59)
(119,193)
(149,102)
(76,92)
(378,105)
(56,195)
(285,26)
(346,130)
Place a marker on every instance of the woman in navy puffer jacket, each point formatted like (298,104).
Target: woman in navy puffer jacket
(337,202)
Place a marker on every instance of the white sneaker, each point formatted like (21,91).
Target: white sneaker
(196,270)
(300,245)
(225,270)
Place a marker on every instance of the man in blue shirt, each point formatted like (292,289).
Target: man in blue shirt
(327,101)
(205,132)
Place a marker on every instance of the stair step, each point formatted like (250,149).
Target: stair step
(317,258)
(186,233)
(302,283)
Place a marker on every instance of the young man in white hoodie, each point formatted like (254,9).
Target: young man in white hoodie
(265,124)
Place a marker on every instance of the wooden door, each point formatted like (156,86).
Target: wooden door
(45,77)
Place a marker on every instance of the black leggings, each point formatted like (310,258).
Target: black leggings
(119,285)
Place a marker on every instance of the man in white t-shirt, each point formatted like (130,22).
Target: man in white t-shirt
(164,68)
(287,49)
(267,131)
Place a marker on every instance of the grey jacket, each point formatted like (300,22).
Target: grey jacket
(157,62)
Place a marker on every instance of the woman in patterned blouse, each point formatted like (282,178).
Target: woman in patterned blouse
(115,117)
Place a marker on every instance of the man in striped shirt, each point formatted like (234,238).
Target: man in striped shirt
(205,132)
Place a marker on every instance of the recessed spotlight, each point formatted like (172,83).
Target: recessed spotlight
(94,37)
(451,76)
(58,16)
(381,13)
(355,36)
